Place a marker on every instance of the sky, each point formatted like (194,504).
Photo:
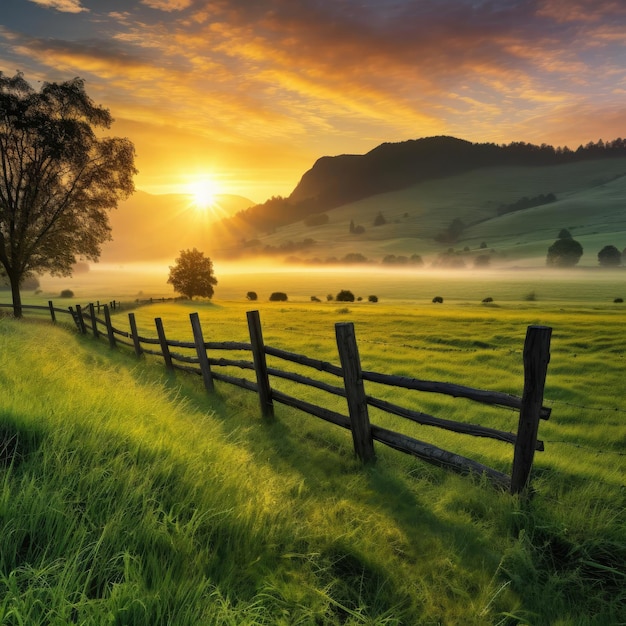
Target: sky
(252,92)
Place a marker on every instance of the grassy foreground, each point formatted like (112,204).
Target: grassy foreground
(128,496)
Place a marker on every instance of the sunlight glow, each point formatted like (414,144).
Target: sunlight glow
(204,192)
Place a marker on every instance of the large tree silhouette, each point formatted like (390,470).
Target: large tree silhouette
(58,179)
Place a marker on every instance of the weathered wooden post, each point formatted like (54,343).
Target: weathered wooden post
(80,322)
(52,314)
(260,364)
(94,324)
(355,391)
(135,335)
(165,349)
(107,320)
(205,366)
(536,359)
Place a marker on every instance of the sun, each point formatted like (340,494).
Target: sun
(203,192)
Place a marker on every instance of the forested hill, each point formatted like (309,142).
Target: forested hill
(334,181)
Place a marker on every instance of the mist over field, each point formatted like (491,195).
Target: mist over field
(132,281)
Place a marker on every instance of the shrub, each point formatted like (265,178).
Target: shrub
(317,219)
(343,311)
(485,300)
(251,295)
(278,296)
(330,297)
(618,300)
(531,296)
(609,256)
(564,253)
(372,298)
(380,220)
(345,296)
(315,299)
(438,300)
(359,299)
(67,293)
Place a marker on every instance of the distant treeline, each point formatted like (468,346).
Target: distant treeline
(334,181)
(527,203)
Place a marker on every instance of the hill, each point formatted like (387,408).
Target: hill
(587,197)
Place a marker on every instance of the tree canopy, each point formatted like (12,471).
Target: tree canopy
(609,256)
(58,179)
(564,253)
(192,275)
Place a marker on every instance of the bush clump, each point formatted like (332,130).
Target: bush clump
(278,296)
(372,298)
(438,300)
(618,300)
(315,299)
(485,300)
(345,296)
(252,295)
(67,293)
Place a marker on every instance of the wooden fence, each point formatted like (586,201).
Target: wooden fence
(200,360)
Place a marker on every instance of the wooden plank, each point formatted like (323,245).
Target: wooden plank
(312,409)
(260,364)
(355,392)
(165,350)
(109,325)
(536,359)
(198,338)
(438,422)
(438,456)
(451,389)
(300,359)
(135,335)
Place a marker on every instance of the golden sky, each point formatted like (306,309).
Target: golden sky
(254,91)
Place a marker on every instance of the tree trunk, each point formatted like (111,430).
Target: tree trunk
(15,293)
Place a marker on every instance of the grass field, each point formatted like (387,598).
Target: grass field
(130,496)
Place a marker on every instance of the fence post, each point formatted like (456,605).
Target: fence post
(205,366)
(355,392)
(107,320)
(536,359)
(52,314)
(133,332)
(260,364)
(94,324)
(165,349)
(80,322)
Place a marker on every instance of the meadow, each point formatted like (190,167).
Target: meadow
(131,496)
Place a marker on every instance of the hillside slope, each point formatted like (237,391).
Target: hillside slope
(590,202)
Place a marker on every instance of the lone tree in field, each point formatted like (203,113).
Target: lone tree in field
(564,253)
(58,179)
(609,256)
(193,274)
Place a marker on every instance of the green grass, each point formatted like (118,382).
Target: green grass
(130,496)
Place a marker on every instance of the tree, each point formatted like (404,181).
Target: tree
(58,178)
(193,274)
(345,296)
(564,253)
(609,256)
(564,234)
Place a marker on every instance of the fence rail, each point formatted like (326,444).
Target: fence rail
(200,360)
